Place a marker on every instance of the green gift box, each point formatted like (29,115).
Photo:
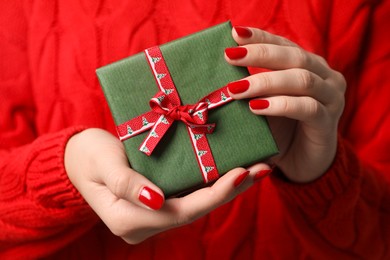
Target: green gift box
(197,67)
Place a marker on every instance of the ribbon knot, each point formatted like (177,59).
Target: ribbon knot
(182,113)
(191,115)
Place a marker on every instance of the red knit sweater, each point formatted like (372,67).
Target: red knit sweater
(49,51)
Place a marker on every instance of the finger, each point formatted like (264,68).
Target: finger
(202,201)
(276,57)
(294,82)
(127,184)
(247,35)
(260,172)
(304,109)
(125,219)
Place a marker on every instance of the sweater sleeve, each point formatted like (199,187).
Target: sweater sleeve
(40,210)
(348,208)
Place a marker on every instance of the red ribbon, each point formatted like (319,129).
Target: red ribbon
(167,108)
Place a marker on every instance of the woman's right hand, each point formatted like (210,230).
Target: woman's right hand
(130,205)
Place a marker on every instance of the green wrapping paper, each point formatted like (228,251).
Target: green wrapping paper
(197,66)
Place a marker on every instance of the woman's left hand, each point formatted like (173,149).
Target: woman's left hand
(302,97)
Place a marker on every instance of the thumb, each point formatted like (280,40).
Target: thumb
(127,184)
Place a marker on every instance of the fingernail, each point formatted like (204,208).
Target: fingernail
(243,32)
(238,87)
(259,104)
(151,198)
(261,175)
(235,53)
(240,179)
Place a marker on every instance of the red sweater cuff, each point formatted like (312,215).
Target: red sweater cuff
(333,183)
(47,178)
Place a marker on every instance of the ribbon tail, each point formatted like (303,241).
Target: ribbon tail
(204,156)
(137,125)
(155,135)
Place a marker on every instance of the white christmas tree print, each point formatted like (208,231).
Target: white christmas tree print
(160,76)
(208,169)
(223,97)
(144,149)
(168,91)
(154,134)
(156,59)
(199,114)
(144,121)
(129,130)
(201,153)
(160,99)
(198,136)
(164,120)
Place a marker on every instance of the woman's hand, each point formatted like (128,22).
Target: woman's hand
(302,97)
(129,204)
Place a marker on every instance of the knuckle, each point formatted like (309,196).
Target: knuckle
(261,36)
(313,109)
(341,82)
(320,59)
(301,57)
(121,185)
(184,218)
(284,105)
(306,79)
(265,81)
(338,105)
(262,51)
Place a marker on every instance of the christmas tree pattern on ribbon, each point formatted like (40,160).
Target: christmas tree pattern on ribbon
(161,75)
(145,149)
(168,91)
(160,99)
(198,136)
(154,134)
(201,153)
(223,96)
(129,130)
(164,120)
(144,121)
(156,59)
(200,115)
(208,169)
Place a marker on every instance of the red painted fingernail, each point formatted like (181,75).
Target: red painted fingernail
(151,198)
(243,31)
(259,104)
(261,175)
(235,53)
(240,179)
(238,87)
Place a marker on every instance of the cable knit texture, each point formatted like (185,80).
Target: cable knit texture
(49,51)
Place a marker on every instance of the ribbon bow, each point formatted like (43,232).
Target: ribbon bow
(189,114)
(167,108)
